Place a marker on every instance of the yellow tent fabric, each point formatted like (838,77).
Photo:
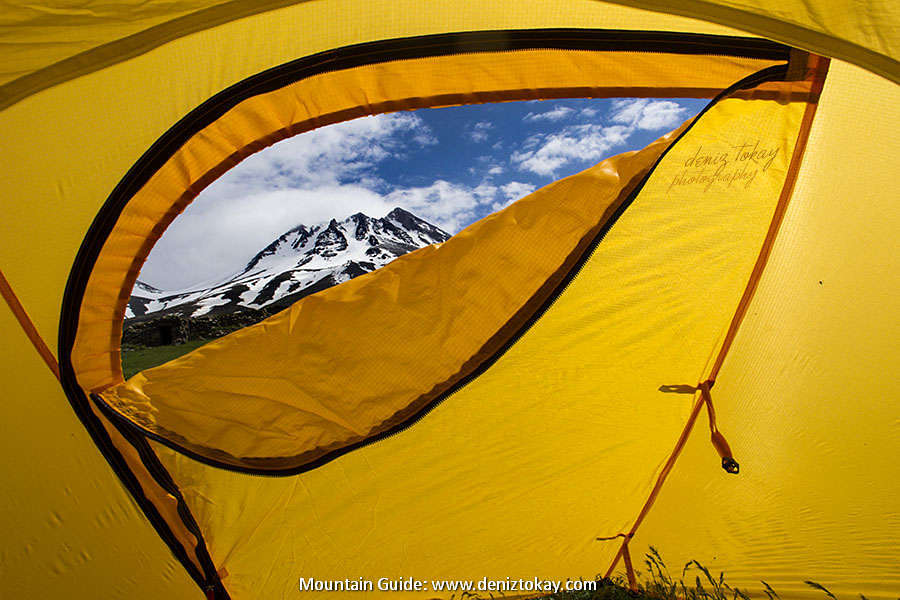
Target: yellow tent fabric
(51,44)
(580,394)
(789,389)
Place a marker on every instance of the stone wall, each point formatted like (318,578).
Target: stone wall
(172,329)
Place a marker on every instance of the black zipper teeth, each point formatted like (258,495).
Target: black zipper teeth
(774,73)
(164,479)
(115,459)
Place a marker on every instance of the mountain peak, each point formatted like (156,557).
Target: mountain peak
(411,222)
(301,261)
(400,212)
(146,287)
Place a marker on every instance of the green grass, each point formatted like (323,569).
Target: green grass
(138,359)
(658,584)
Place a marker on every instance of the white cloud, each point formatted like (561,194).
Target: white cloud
(309,178)
(647,114)
(512,191)
(447,205)
(516,189)
(555,114)
(328,155)
(495,170)
(478,132)
(560,113)
(543,154)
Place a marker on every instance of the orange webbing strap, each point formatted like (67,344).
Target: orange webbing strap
(717,439)
(29,328)
(626,558)
(629,569)
(721,446)
(660,480)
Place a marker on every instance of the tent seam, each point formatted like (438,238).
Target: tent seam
(28,325)
(131,46)
(797,35)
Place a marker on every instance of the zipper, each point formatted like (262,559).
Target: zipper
(164,479)
(128,479)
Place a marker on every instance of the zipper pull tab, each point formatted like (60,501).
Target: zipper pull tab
(718,440)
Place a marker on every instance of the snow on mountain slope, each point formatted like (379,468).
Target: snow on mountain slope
(302,261)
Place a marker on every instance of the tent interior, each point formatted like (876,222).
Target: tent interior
(686,347)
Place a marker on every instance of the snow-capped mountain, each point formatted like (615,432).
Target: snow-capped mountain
(302,261)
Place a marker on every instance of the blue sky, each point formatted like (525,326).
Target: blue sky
(451,166)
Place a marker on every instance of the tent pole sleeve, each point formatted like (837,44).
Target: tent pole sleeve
(27,325)
(819,67)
